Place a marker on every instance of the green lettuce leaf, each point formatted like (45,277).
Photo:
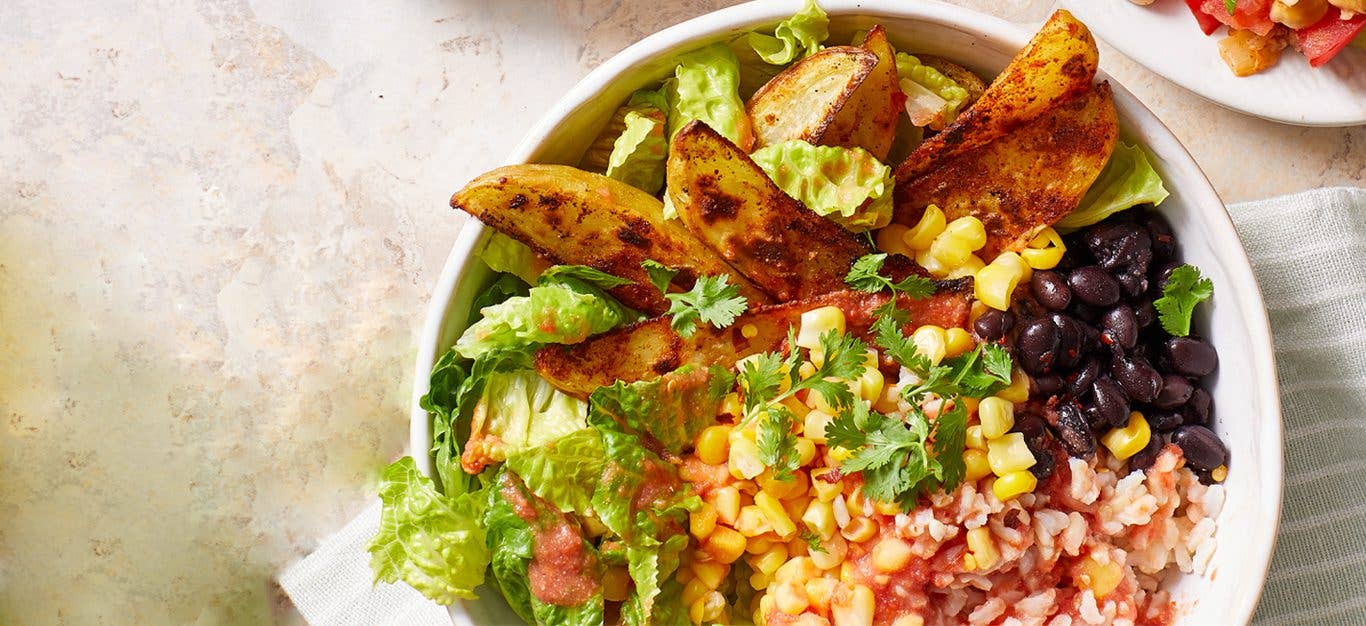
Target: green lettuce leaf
(507,255)
(932,98)
(672,409)
(848,185)
(451,400)
(796,36)
(434,543)
(639,152)
(550,313)
(1128,180)
(504,286)
(651,570)
(518,411)
(706,87)
(563,472)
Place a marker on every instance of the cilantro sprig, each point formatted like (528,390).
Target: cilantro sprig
(712,299)
(1185,289)
(866,275)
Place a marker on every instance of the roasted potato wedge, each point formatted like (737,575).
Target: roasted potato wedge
(1024,181)
(1058,63)
(651,348)
(785,249)
(803,100)
(868,119)
(961,75)
(571,216)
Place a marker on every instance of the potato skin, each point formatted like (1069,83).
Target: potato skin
(651,348)
(575,217)
(803,100)
(730,203)
(868,119)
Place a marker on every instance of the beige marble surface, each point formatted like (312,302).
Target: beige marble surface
(221,222)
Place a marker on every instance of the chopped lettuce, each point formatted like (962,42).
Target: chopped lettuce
(450,401)
(1128,180)
(505,254)
(434,543)
(932,98)
(672,408)
(706,87)
(796,36)
(549,313)
(847,185)
(639,152)
(563,472)
(518,411)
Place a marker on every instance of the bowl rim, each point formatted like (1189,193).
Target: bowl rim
(1159,139)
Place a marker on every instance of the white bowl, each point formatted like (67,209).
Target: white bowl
(1247,414)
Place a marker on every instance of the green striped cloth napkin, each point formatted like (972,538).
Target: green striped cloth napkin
(1309,253)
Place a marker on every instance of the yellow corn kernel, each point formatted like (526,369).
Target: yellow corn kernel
(848,573)
(798,547)
(969,562)
(1128,441)
(817,322)
(825,491)
(771,560)
(694,590)
(950,251)
(616,583)
(893,239)
(1301,14)
(1100,578)
(800,569)
(795,484)
(1018,391)
(1045,251)
(983,547)
(932,264)
(886,508)
(909,620)
(789,596)
(831,554)
(1219,474)
(761,544)
(759,581)
(724,544)
(806,451)
(997,416)
(764,609)
(957,341)
(795,507)
(967,268)
(710,573)
(976,310)
(859,530)
(932,342)
(818,591)
(749,331)
(745,460)
(854,501)
(871,382)
(706,609)
(727,502)
(1014,484)
(1008,454)
(814,425)
(891,554)
(995,284)
(752,522)
(775,514)
(976,464)
(931,223)
(968,229)
(819,517)
(837,455)
(702,521)
(731,405)
(970,404)
(974,439)
(852,607)
(685,575)
(713,444)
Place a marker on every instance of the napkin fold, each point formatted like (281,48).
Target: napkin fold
(1308,251)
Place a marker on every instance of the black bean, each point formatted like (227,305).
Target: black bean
(1160,275)
(1201,446)
(1145,314)
(1198,408)
(1046,386)
(1160,231)
(1030,425)
(1109,402)
(1051,290)
(994,324)
(1132,284)
(1079,382)
(1093,285)
(1189,356)
(1137,377)
(1176,390)
(1087,313)
(1120,326)
(1071,336)
(1120,244)
(1147,456)
(1075,435)
(1165,421)
(1037,346)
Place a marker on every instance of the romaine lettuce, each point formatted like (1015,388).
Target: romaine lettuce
(549,313)
(505,254)
(639,152)
(1128,180)
(706,87)
(518,411)
(847,185)
(563,472)
(672,408)
(932,98)
(795,37)
(434,543)
(451,399)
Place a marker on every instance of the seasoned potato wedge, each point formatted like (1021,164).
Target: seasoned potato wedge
(651,348)
(1024,181)
(801,102)
(732,205)
(961,75)
(1058,63)
(571,216)
(868,119)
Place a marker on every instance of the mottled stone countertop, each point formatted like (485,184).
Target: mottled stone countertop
(221,223)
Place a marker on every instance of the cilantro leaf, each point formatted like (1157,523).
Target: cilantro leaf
(712,300)
(887,336)
(1231,6)
(864,273)
(1185,289)
(979,373)
(950,435)
(560,274)
(778,444)
(760,377)
(660,274)
(915,287)
(813,541)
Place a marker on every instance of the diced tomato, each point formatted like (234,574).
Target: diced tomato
(1207,23)
(1253,15)
(1328,36)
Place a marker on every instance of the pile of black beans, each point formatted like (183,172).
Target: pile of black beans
(1087,334)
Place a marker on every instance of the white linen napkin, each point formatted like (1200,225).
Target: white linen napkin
(1309,253)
